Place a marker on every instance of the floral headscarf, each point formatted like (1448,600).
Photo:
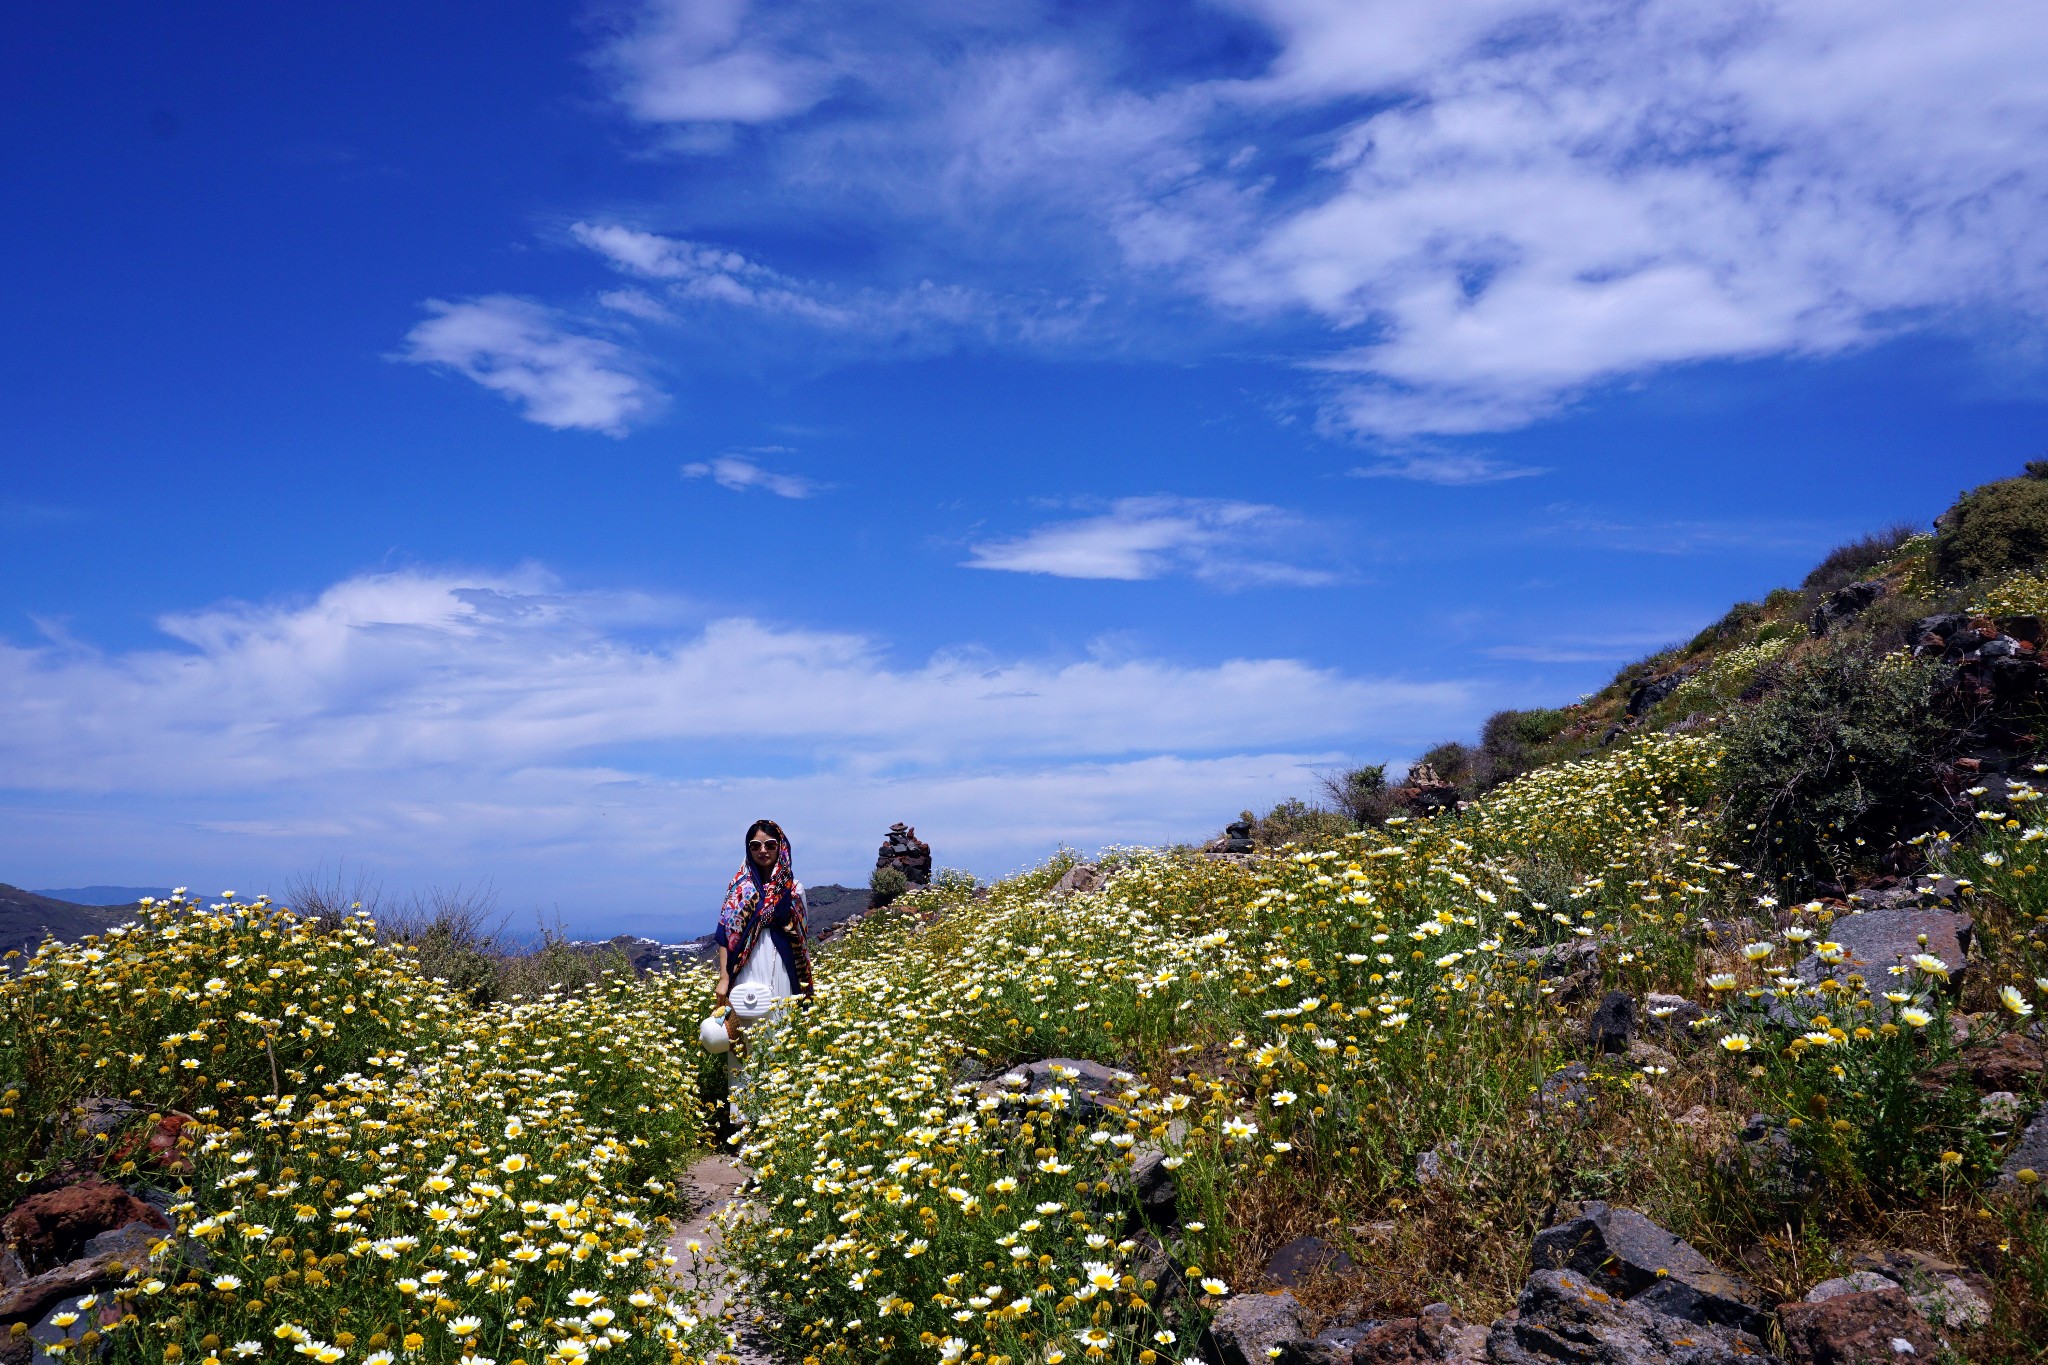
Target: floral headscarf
(751,908)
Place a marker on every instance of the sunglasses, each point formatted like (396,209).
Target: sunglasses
(764,843)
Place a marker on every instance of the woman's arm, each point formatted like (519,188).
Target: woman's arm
(723,988)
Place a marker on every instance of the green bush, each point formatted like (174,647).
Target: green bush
(1828,769)
(1509,741)
(1360,793)
(886,885)
(1995,529)
(1295,821)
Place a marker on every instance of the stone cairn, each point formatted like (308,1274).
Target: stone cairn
(907,853)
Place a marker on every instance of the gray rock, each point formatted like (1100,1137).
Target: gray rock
(1081,877)
(1249,1326)
(1670,1016)
(1569,1090)
(2028,1159)
(1856,1282)
(1152,1181)
(1845,604)
(1613,1024)
(1764,1149)
(120,1251)
(1333,1346)
(1875,940)
(1648,694)
(1091,1087)
(1305,1259)
(1562,1316)
(1936,1287)
(1649,1054)
(1630,1257)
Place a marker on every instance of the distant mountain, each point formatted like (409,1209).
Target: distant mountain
(25,916)
(101,895)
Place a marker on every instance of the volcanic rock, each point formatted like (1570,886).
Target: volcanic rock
(1562,1316)
(1630,1257)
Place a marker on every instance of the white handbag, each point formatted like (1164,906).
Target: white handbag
(751,1000)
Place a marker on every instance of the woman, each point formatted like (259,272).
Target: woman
(761,925)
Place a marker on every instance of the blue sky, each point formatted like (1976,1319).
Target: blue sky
(464,442)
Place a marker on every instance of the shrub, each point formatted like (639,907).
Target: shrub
(1852,562)
(558,966)
(1360,794)
(1831,767)
(1995,529)
(1451,762)
(1295,821)
(1508,743)
(886,885)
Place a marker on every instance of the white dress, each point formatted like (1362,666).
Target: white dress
(763,967)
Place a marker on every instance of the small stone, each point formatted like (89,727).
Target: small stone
(1856,1282)
(1880,1325)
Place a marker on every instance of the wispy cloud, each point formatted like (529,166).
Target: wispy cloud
(1444,467)
(1212,539)
(558,377)
(1484,209)
(587,750)
(740,474)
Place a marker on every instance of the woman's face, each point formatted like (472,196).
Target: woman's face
(762,848)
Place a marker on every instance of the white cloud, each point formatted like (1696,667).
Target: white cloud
(1485,207)
(690,61)
(559,378)
(1213,539)
(738,474)
(584,748)
(1452,468)
(634,303)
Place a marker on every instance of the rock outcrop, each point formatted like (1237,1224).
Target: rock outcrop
(907,853)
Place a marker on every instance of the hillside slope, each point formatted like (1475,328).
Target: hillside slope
(25,917)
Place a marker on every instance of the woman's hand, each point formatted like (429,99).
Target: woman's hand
(722,992)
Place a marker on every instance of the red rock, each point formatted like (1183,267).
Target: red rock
(49,1229)
(1857,1329)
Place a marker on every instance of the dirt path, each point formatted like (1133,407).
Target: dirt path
(714,1181)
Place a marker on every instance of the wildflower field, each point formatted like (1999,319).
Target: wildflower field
(374,1171)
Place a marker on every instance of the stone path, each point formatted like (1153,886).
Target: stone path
(714,1181)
